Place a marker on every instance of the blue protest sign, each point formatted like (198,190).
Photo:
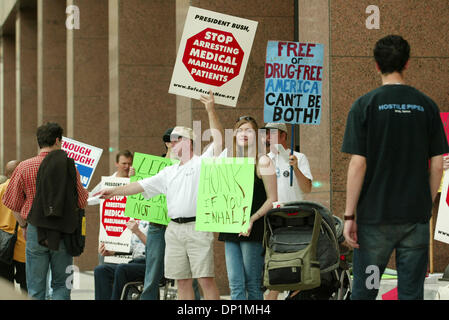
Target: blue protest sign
(293,82)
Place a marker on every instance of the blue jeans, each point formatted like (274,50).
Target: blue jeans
(377,243)
(244,263)
(38,261)
(110,279)
(154,252)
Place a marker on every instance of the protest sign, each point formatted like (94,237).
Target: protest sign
(154,209)
(86,158)
(225,194)
(213,54)
(445,119)
(293,82)
(113,231)
(442,224)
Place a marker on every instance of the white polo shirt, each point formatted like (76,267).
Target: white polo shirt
(285,192)
(179,184)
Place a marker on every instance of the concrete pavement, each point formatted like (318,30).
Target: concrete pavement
(84,288)
(431,285)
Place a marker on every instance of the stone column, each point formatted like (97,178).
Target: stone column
(87,99)
(183,104)
(146,56)
(113,45)
(26,83)
(313,26)
(9,98)
(51,63)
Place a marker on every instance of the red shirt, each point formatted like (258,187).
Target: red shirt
(21,190)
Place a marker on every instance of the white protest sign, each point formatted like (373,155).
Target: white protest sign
(213,54)
(442,224)
(113,231)
(118,259)
(86,158)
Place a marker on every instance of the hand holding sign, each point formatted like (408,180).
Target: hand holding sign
(248,232)
(208,101)
(103,252)
(293,161)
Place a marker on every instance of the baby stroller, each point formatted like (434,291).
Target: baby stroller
(308,233)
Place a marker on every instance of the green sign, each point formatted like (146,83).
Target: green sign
(225,194)
(154,209)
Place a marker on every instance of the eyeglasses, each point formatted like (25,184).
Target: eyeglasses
(248,118)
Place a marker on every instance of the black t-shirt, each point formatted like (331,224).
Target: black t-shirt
(398,129)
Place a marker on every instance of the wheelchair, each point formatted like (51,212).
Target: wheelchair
(133,290)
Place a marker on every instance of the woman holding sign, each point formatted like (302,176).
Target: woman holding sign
(244,251)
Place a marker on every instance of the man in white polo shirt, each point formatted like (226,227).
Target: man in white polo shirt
(276,139)
(280,154)
(188,253)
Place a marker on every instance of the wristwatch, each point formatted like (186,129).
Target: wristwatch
(348,217)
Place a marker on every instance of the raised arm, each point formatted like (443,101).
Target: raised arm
(126,190)
(215,125)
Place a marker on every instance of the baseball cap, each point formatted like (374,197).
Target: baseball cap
(167,133)
(278,126)
(183,132)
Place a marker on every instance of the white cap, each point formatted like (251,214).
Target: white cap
(278,126)
(183,132)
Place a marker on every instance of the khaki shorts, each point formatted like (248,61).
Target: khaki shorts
(189,254)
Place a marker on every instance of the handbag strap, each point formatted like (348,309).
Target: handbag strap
(16,228)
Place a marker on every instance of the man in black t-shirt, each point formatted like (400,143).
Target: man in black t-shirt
(396,140)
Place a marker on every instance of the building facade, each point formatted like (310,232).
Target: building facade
(106,80)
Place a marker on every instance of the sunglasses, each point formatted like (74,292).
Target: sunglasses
(174,138)
(247,118)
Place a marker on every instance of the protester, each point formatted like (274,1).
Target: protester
(188,253)
(19,197)
(110,279)
(123,164)
(276,140)
(244,252)
(396,140)
(16,270)
(302,183)
(155,248)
